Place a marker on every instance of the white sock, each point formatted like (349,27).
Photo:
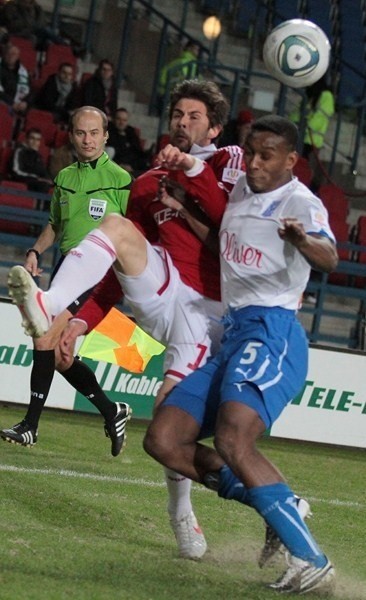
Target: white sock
(82,269)
(179,490)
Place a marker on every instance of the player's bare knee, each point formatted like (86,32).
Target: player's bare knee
(157,444)
(112,226)
(226,445)
(62,364)
(150,443)
(45,342)
(122,233)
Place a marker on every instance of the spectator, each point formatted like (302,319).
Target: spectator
(127,145)
(183,67)
(15,86)
(26,18)
(319,109)
(59,93)
(100,89)
(62,157)
(27,164)
(4,37)
(236,130)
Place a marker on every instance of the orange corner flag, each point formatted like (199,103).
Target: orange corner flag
(118,340)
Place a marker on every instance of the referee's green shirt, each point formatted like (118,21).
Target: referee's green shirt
(84,193)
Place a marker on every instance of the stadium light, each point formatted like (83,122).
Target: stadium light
(211,28)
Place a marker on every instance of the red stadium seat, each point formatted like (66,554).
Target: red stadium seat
(6,151)
(334,200)
(360,238)
(9,199)
(61,137)
(28,54)
(303,171)
(44,121)
(57,54)
(7,123)
(341,231)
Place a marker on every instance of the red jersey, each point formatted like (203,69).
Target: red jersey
(198,266)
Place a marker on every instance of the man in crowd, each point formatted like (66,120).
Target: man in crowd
(59,93)
(27,164)
(15,87)
(100,89)
(126,144)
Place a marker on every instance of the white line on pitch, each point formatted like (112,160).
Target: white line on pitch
(144,482)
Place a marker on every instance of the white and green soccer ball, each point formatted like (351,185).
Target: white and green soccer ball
(297,53)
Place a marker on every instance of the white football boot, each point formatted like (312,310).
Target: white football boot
(190,539)
(31,301)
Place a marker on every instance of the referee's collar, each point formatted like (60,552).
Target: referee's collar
(93,163)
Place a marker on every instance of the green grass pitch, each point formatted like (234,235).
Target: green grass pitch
(76,523)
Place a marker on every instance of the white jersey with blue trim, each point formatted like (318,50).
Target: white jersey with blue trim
(257,267)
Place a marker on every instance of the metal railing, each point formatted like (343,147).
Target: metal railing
(169,32)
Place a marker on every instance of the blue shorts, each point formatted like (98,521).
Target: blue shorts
(262,362)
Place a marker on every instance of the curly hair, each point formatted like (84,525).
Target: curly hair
(207,92)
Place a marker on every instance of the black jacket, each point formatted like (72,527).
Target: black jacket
(27,162)
(128,148)
(48,96)
(93,94)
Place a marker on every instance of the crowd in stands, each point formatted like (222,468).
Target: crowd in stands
(27,19)
(39,88)
(36,100)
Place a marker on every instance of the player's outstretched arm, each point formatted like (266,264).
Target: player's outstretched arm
(318,250)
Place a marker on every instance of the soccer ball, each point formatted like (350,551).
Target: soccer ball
(297,53)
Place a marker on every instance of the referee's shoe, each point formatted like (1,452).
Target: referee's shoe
(21,434)
(115,428)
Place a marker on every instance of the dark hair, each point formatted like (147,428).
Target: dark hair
(65,64)
(191,45)
(280,126)
(205,91)
(84,109)
(104,61)
(31,131)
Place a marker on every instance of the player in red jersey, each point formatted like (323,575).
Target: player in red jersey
(172,283)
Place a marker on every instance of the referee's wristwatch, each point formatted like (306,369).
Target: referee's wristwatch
(35,252)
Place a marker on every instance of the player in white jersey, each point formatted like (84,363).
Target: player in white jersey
(273,231)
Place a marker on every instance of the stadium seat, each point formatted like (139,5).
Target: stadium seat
(7,123)
(43,120)
(57,54)
(341,231)
(337,205)
(84,77)
(360,256)
(61,137)
(335,201)
(303,171)
(6,150)
(28,55)
(9,199)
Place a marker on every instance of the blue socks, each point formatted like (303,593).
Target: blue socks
(230,487)
(277,505)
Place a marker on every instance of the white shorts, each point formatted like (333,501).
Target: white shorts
(186,322)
